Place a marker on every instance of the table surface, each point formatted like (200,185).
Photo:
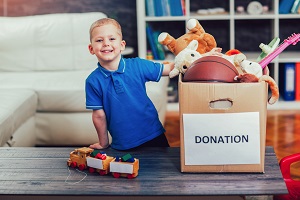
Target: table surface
(44,171)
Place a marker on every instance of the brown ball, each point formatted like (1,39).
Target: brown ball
(211,69)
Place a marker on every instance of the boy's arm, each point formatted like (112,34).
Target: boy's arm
(99,120)
(168,66)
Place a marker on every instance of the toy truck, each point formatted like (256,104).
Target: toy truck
(125,167)
(99,162)
(78,158)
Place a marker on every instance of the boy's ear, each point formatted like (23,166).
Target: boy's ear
(123,44)
(91,49)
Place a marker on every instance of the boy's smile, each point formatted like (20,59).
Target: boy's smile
(107,51)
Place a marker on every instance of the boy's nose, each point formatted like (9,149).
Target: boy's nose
(106,42)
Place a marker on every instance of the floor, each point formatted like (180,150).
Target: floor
(283,133)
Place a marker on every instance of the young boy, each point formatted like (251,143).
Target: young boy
(116,92)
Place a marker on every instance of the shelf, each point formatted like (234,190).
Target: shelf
(210,17)
(285,105)
(288,16)
(289,57)
(231,31)
(284,57)
(165,18)
(256,17)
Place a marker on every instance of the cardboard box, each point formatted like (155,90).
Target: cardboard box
(222,126)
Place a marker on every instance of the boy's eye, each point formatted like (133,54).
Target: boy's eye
(112,38)
(99,40)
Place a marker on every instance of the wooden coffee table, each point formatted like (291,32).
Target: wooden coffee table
(44,172)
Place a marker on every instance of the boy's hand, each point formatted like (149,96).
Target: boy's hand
(96,146)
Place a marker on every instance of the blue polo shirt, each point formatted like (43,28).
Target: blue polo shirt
(131,116)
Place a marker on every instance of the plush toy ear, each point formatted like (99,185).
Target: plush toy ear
(193,45)
(239,57)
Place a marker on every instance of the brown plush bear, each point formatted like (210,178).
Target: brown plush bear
(206,42)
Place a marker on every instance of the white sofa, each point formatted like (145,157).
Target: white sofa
(44,61)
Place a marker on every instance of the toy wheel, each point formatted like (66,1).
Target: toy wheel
(81,167)
(130,176)
(73,164)
(116,175)
(102,172)
(91,170)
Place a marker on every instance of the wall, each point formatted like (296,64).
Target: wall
(122,10)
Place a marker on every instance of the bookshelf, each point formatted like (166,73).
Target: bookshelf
(231,29)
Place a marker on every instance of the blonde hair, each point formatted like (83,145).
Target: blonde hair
(105,21)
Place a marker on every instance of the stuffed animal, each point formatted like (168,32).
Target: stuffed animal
(206,42)
(187,56)
(248,71)
(252,72)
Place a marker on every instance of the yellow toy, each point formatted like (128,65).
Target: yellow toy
(206,42)
(78,158)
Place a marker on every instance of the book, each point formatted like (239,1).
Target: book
(152,42)
(166,7)
(150,8)
(158,8)
(176,7)
(285,6)
(288,89)
(295,7)
(183,7)
(159,47)
(297,82)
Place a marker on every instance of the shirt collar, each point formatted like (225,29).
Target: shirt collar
(120,70)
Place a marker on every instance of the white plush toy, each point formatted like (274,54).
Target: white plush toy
(253,73)
(250,67)
(185,58)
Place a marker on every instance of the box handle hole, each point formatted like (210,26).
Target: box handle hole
(221,104)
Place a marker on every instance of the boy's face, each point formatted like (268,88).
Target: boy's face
(106,43)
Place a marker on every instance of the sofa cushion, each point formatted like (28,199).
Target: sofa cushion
(47,42)
(57,91)
(64,91)
(16,106)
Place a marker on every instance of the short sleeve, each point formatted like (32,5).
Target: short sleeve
(93,96)
(152,70)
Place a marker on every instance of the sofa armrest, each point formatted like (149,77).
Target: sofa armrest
(157,92)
